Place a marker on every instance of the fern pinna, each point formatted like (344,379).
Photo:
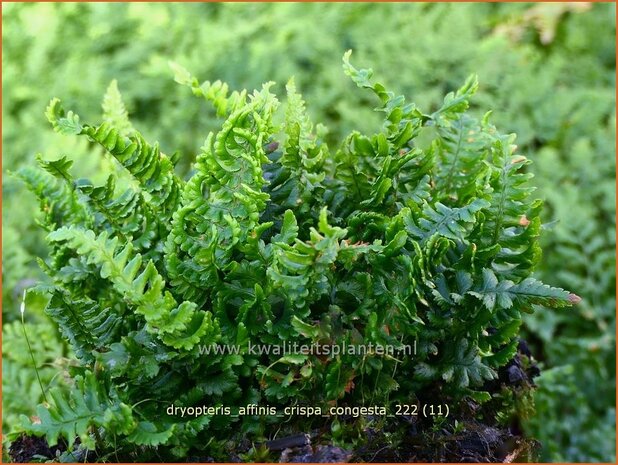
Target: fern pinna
(424,233)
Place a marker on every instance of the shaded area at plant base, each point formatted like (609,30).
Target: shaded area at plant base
(26,449)
(477,443)
(397,443)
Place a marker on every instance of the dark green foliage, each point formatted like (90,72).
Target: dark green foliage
(90,403)
(83,323)
(383,244)
(547,70)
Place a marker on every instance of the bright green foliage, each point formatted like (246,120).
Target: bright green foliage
(397,238)
(580,250)
(547,70)
(204,235)
(215,92)
(150,168)
(114,112)
(142,288)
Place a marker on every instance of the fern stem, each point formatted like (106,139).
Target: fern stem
(23,325)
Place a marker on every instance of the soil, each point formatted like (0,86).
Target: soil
(26,449)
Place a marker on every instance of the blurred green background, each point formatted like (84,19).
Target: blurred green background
(546,70)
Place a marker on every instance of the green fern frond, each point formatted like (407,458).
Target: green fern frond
(402,120)
(179,326)
(452,223)
(501,294)
(215,92)
(461,365)
(153,170)
(128,215)
(455,103)
(422,233)
(90,404)
(58,200)
(463,151)
(147,434)
(83,322)
(222,203)
(63,123)
(295,175)
(114,112)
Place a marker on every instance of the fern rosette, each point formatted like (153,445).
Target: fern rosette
(424,234)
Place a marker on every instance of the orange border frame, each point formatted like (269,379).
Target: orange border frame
(308,1)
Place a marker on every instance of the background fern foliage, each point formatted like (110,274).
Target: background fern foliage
(163,247)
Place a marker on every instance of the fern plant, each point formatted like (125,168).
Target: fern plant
(424,233)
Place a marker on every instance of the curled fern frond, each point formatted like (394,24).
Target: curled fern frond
(153,170)
(215,92)
(221,205)
(180,326)
(58,200)
(83,322)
